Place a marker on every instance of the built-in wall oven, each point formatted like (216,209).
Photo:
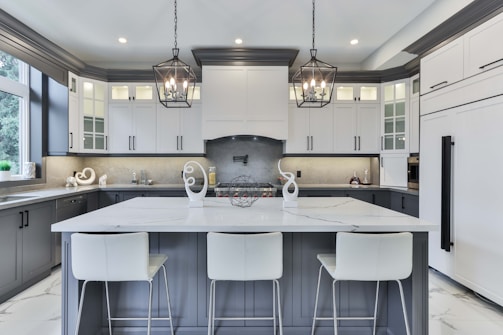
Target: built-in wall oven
(413,172)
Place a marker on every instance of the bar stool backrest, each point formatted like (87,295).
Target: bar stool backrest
(372,257)
(244,257)
(110,257)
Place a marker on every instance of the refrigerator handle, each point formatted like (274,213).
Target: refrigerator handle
(445,220)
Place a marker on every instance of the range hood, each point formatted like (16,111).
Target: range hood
(245,91)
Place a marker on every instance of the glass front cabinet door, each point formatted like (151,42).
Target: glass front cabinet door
(94,116)
(395,109)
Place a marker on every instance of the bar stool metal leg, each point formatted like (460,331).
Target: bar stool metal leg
(109,317)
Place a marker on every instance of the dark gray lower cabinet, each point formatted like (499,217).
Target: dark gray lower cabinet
(25,246)
(405,203)
(376,197)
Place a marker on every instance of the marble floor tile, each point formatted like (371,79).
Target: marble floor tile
(454,310)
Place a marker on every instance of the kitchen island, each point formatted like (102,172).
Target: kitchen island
(180,232)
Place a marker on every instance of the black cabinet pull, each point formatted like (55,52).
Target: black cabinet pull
(403,202)
(22,220)
(373,198)
(27,218)
(445,212)
(71,140)
(129,142)
(442,83)
(489,64)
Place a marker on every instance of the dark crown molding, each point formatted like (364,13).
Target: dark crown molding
(245,56)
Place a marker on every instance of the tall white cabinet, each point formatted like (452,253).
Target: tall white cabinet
(464,197)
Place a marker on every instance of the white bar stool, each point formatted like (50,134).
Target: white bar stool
(117,258)
(245,257)
(366,257)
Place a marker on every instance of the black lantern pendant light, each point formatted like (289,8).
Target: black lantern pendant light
(313,83)
(175,80)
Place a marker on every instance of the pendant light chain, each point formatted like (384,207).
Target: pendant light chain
(313,22)
(176,24)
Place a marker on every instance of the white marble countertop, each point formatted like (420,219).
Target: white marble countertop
(156,214)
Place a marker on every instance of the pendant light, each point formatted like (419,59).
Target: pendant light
(175,81)
(313,83)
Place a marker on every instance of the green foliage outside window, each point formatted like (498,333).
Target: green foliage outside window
(9,114)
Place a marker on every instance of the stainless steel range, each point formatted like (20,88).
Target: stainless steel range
(262,190)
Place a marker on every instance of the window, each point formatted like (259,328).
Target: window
(14,102)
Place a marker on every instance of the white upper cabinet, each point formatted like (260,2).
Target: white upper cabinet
(132,92)
(245,100)
(356,128)
(93,116)
(395,117)
(483,47)
(132,129)
(310,130)
(473,53)
(179,130)
(350,93)
(442,67)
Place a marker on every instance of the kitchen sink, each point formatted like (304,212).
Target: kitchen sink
(9,198)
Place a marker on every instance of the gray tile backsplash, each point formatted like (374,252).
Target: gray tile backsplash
(263,155)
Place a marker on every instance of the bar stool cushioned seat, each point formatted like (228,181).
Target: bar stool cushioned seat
(117,258)
(366,257)
(245,257)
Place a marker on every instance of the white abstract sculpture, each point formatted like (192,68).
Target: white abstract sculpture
(83,179)
(71,182)
(102,181)
(289,199)
(195,199)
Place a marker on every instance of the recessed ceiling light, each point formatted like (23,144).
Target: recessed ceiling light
(354,41)
(238,41)
(122,40)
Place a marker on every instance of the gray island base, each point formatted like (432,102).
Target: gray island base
(180,232)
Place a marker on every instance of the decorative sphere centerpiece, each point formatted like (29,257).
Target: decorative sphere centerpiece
(243,191)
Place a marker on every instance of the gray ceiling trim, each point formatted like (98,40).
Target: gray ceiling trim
(466,19)
(31,47)
(244,56)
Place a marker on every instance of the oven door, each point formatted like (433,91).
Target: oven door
(413,172)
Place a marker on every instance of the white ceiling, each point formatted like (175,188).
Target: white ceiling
(89,29)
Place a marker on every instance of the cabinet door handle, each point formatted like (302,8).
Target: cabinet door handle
(22,220)
(134,142)
(181,142)
(27,218)
(307,138)
(177,143)
(312,143)
(134,98)
(129,142)
(403,202)
(106,142)
(358,98)
(354,98)
(382,162)
(489,64)
(382,142)
(354,137)
(442,83)
(359,143)
(71,140)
